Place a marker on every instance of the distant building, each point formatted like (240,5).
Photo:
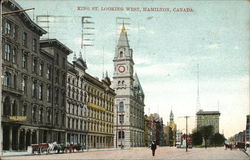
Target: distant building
(148,130)
(206,118)
(170,131)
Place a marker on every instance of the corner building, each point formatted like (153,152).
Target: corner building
(129,100)
(34,85)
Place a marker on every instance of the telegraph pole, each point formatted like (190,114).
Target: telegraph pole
(186,132)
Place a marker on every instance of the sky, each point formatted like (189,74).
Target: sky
(167,48)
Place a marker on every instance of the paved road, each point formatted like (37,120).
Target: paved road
(145,153)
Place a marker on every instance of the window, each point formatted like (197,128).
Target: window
(121,54)
(25,39)
(41,69)
(34,89)
(6,79)
(41,115)
(34,65)
(57,58)
(14,82)
(7,27)
(34,45)
(24,110)
(121,107)
(48,115)
(24,84)
(48,72)
(121,119)
(24,61)
(34,113)
(40,92)
(68,122)
(48,93)
(14,109)
(14,55)
(7,52)
(121,135)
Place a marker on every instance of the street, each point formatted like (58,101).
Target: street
(145,153)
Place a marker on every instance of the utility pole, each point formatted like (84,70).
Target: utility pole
(186,132)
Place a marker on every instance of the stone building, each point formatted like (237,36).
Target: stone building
(206,118)
(100,104)
(90,107)
(76,109)
(129,100)
(33,88)
(148,130)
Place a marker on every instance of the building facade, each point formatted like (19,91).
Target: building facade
(129,100)
(76,108)
(100,105)
(206,118)
(33,87)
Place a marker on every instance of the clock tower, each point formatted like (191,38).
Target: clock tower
(123,65)
(129,99)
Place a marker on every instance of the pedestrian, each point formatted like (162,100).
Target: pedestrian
(153,147)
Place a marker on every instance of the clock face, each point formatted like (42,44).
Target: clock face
(121,69)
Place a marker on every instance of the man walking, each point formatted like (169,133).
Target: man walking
(153,148)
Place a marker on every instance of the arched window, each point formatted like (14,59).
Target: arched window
(6,106)
(121,107)
(121,135)
(121,54)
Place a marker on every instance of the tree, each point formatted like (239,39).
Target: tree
(218,139)
(197,138)
(206,132)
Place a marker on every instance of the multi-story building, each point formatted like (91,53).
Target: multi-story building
(206,118)
(33,88)
(129,100)
(100,105)
(20,97)
(76,109)
(56,75)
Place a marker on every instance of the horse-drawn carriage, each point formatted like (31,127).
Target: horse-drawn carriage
(54,147)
